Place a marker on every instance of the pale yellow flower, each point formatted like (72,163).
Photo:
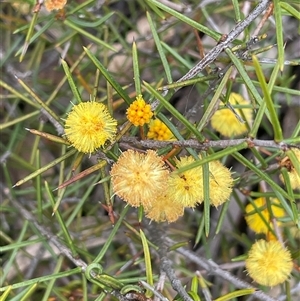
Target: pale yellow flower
(89,125)
(139,112)
(187,186)
(293,175)
(220,183)
(159,131)
(139,178)
(269,263)
(254,220)
(55,4)
(163,208)
(225,121)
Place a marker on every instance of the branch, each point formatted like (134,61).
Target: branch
(65,250)
(51,237)
(238,29)
(195,144)
(210,266)
(166,266)
(158,237)
(223,43)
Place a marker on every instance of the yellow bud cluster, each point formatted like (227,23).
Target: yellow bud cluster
(139,112)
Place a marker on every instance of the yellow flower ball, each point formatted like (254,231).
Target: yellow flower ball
(159,131)
(269,263)
(139,112)
(254,220)
(220,183)
(89,125)
(139,178)
(225,122)
(293,175)
(294,179)
(54,4)
(163,208)
(187,186)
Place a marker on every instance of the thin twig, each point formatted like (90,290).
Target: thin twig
(212,55)
(158,236)
(51,237)
(210,266)
(59,128)
(205,291)
(63,249)
(166,266)
(154,291)
(161,283)
(195,144)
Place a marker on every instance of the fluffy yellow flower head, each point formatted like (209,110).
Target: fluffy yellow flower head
(293,175)
(164,209)
(220,183)
(253,219)
(159,131)
(225,121)
(139,112)
(187,186)
(269,263)
(55,4)
(89,125)
(139,178)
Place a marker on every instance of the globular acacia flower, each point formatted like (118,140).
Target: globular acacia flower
(292,172)
(89,125)
(269,263)
(225,121)
(294,179)
(254,220)
(220,183)
(187,186)
(159,131)
(139,178)
(55,4)
(163,208)
(139,112)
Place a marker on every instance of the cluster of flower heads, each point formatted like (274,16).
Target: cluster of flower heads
(187,187)
(139,113)
(144,179)
(226,122)
(269,262)
(89,125)
(292,172)
(55,4)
